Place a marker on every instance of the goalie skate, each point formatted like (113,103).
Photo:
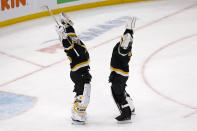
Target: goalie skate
(77,122)
(122,119)
(127,111)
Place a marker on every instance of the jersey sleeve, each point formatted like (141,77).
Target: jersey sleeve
(67,44)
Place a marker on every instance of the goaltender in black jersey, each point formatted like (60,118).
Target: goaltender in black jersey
(78,55)
(77,52)
(120,72)
(121,57)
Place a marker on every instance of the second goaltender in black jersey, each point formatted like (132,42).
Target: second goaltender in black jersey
(76,61)
(120,59)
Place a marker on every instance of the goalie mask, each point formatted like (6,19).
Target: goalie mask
(64,19)
(68,24)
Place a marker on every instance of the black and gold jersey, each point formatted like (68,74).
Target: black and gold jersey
(121,57)
(120,60)
(77,54)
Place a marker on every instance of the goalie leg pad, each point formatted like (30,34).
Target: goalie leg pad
(80,104)
(130,102)
(86,94)
(78,110)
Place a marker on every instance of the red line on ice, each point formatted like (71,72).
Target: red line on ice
(20,59)
(148,59)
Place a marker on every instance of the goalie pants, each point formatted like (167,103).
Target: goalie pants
(79,78)
(118,87)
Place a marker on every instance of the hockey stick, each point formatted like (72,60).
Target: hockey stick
(46,7)
(133,22)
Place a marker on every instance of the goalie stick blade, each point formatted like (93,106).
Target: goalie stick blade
(77,122)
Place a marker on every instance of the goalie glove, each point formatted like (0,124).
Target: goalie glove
(126,40)
(130,24)
(61,31)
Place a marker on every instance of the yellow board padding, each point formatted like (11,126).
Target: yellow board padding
(65,9)
(24,18)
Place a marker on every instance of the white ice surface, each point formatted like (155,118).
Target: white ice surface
(162,78)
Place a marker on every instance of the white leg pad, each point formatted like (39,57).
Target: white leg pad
(86,95)
(80,104)
(130,103)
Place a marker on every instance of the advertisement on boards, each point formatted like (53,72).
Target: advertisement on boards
(14,11)
(15,8)
(11,4)
(65,1)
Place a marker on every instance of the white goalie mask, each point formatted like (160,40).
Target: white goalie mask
(64,19)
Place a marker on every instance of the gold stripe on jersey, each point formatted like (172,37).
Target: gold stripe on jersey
(71,34)
(119,71)
(80,65)
(70,47)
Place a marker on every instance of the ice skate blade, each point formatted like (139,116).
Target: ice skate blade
(76,122)
(124,122)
